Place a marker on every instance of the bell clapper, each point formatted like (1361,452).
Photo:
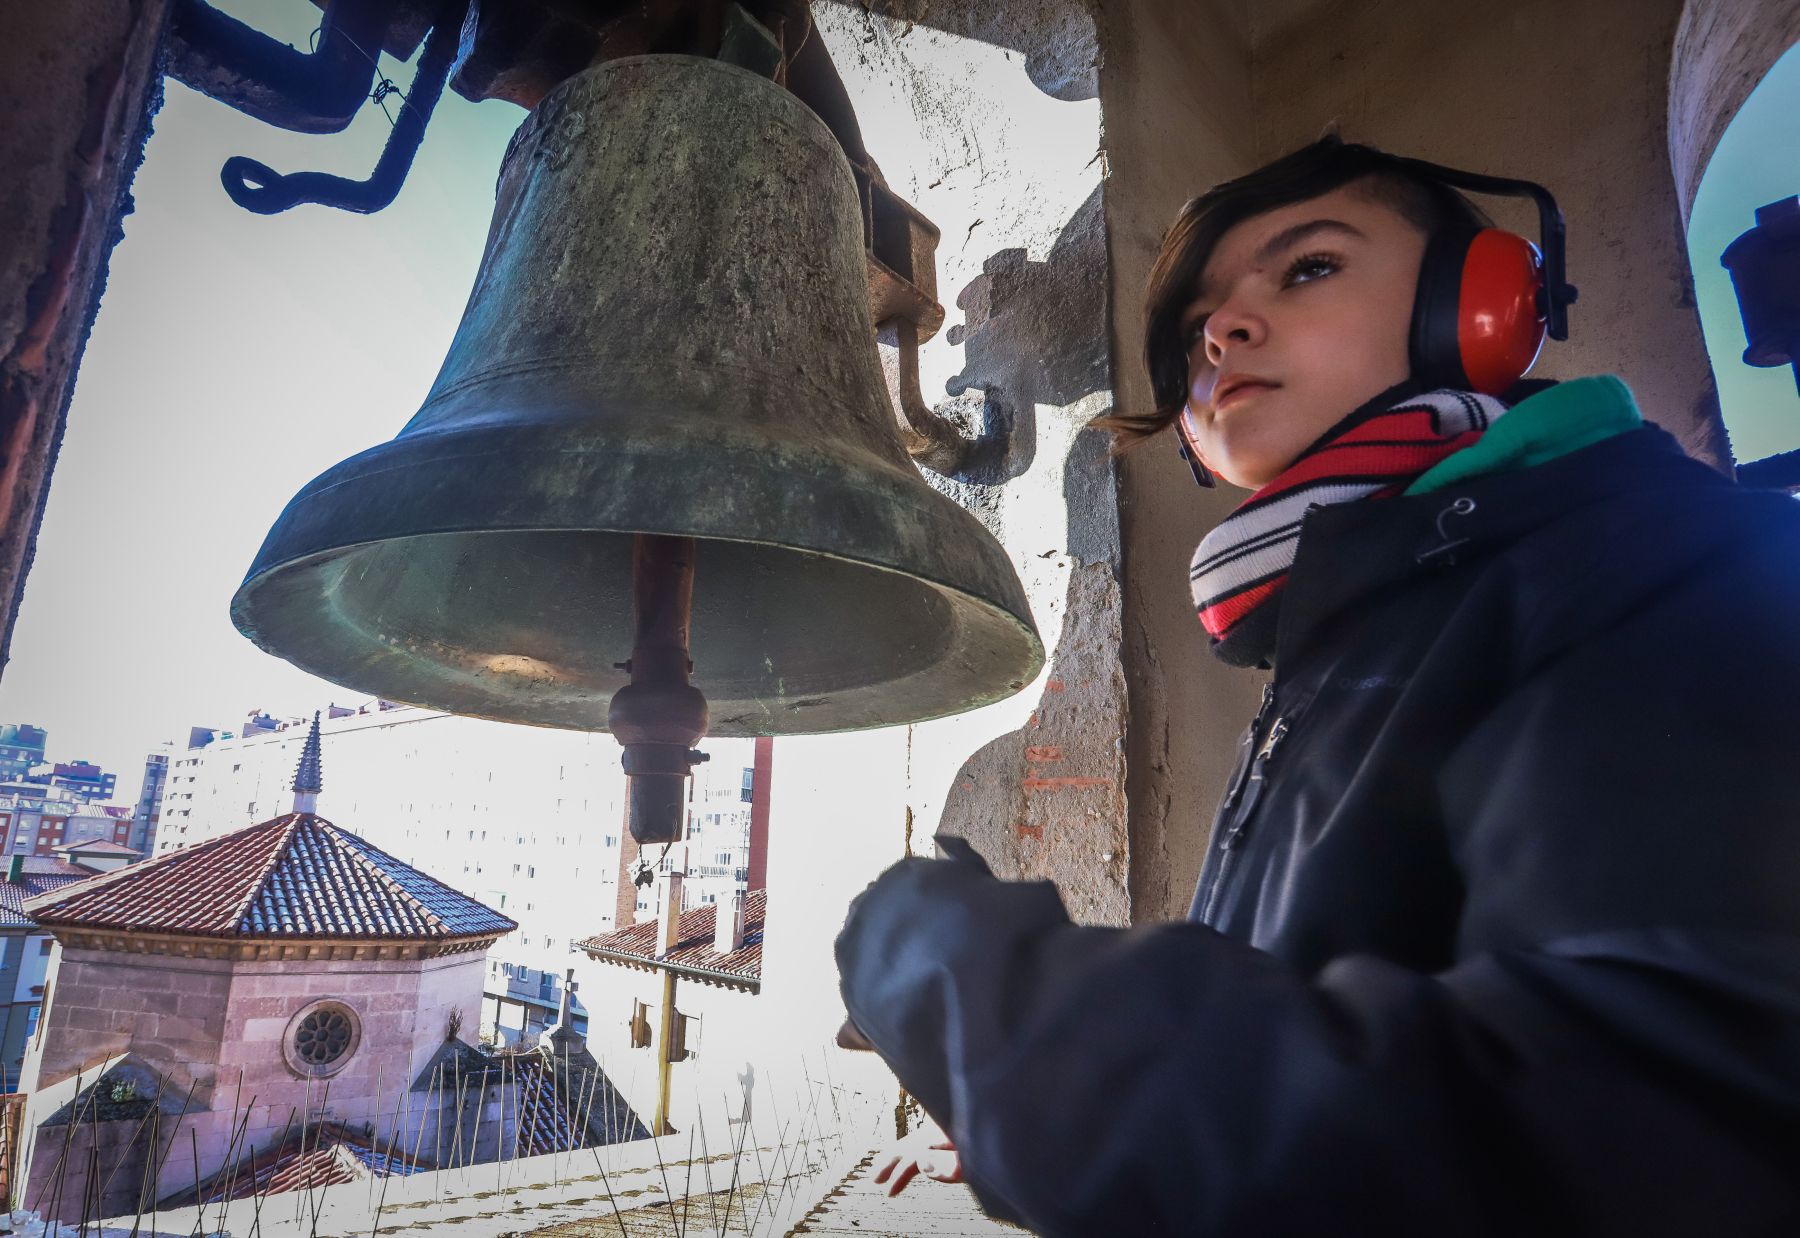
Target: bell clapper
(659,716)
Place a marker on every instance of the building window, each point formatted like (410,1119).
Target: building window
(321,1038)
(44,946)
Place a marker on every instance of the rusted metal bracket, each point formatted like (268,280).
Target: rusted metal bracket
(316,92)
(257,187)
(931,440)
(902,251)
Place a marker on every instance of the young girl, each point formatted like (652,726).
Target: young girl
(1499,928)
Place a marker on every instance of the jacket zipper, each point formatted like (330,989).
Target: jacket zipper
(1249,791)
(1246,746)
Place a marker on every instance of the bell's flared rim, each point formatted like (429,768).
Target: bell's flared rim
(403,506)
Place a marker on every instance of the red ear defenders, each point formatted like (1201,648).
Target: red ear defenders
(1487,298)
(1485,301)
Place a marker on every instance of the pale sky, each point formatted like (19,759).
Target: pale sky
(236,356)
(1758,162)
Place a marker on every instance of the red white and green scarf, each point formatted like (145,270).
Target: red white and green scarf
(1376,452)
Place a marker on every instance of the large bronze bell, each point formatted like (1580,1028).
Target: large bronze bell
(669,335)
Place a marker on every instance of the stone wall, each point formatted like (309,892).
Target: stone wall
(100,1004)
(220,1026)
(403,1008)
(1574,96)
(986,118)
(171,1013)
(1723,50)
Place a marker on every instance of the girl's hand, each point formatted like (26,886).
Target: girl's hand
(927,1151)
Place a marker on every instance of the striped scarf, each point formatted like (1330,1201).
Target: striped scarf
(1376,452)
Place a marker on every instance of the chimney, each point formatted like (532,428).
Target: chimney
(625,902)
(568,997)
(728,924)
(669,921)
(15,867)
(763,765)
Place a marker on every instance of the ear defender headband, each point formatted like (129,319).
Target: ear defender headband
(1486,298)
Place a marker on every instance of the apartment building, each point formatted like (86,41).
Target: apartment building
(147,815)
(38,821)
(21,748)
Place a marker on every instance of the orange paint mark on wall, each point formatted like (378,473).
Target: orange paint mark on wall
(1028,831)
(1053,685)
(1043,752)
(1059,784)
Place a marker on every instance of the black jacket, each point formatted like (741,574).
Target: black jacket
(1500,928)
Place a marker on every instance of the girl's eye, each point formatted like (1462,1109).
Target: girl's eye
(1309,267)
(1195,331)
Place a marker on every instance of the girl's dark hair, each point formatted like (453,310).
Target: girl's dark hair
(1326,164)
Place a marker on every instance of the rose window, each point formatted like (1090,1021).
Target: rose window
(323,1036)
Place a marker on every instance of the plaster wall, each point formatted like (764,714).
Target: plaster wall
(27,964)
(14,974)
(737,1040)
(1176,92)
(1574,96)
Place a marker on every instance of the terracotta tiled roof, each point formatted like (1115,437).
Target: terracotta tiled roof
(307,1159)
(48,866)
(297,876)
(98,846)
(561,1107)
(14,893)
(560,1097)
(693,955)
